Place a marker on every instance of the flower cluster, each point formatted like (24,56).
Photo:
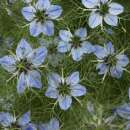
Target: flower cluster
(26,62)
(7,120)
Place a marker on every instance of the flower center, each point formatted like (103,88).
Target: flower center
(76,42)
(23,65)
(40,15)
(52,49)
(64,89)
(110,60)
(103,9)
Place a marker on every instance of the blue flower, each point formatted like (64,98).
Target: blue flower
(76,43)
(41,17)
(24,64)
(52,125)
(109,61)
(103,10)
(63,89)
(7,120)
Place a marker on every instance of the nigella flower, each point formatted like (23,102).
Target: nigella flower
(7,120)
(76,43)
(41,17)
(52,125)
(109,61)
(25,64)
(103,10)
(63,89)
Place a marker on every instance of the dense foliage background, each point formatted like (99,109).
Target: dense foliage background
(105,95)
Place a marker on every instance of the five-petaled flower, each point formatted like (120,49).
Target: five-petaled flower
(41,17)
(25,63)
(7,120)
(103,10)
(63,89)
(76,43)
(109,61)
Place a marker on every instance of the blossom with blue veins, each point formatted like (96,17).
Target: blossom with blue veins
(77,43)
(41,16)
(103,10)
(25,64)
(53,124)
(63,89)
(109,61)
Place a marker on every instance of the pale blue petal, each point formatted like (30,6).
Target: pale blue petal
(6,119)
(34,79)
(116,71)
(90,107)
(100,52)
(63,47)
(8,63)
(88,47)
(95,19)
(48,28)
(102,68)
(30,126)
(43,127)
(22,84)
(122,60)
(28,13)
(24,119)
(43,4)
(109,48)
(65,35)
(111,19)
(54,124)
(115,8)
(73,79)
(52,92)
(23,49)
(35,28)
(54,11)
(77,53)
(90,3)
(81,32)
(38,56)
(53,80)
(77,90)
(65,102)
(124,111)
(104,1)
